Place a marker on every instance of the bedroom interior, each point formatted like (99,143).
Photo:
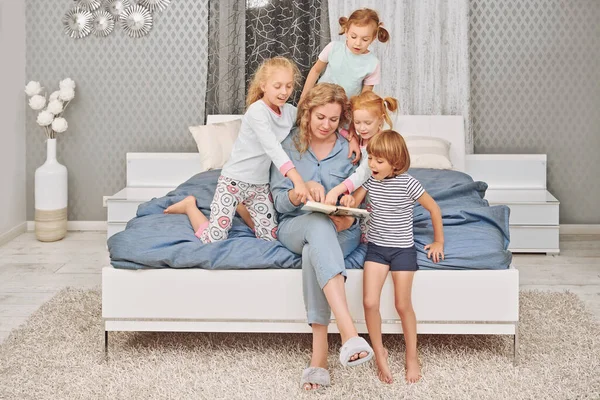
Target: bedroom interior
(517,79)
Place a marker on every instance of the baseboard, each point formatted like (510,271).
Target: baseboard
(580,229)
(77,225)
(13,233)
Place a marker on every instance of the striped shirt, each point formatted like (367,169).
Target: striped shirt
(392,201)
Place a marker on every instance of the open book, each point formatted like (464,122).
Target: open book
(335,210)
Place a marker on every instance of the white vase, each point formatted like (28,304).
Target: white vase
(51,193)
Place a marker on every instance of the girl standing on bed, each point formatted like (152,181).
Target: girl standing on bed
(245,177)
(391,247)
(369,112)
(351,64)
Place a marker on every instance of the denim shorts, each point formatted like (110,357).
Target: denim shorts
(398,258)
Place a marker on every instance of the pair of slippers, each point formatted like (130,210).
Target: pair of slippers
(320,376)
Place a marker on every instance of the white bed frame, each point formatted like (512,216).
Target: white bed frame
(196,300)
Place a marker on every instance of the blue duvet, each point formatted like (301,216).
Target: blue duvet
(476,235)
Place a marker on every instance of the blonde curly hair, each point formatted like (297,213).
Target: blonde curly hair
(320,95)
(263,72)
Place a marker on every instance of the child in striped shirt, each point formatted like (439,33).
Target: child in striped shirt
(391,247)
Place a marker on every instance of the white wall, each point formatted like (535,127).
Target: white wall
(12,119)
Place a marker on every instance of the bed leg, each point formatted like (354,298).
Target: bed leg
(105,343)
(516,345)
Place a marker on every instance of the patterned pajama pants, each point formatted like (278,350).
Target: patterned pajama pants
(256,198)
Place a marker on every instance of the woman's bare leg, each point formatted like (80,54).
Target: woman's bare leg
(403,294)
(335,292)
(373,279)
(320,350)
(188,206)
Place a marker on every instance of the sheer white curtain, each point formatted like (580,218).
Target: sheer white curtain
(425,64)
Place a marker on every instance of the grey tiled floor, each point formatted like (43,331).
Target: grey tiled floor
(31,272)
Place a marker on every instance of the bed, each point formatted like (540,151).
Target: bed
(215,299)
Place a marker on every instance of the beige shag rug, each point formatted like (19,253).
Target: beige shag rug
(59,354)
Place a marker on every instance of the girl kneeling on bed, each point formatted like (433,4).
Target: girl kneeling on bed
(392,194)
(245,177)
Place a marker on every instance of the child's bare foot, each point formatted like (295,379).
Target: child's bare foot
(182,206)
(413,370)
(383,369)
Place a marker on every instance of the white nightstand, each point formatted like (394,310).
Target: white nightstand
(149,175)
(519,182)
(123,205)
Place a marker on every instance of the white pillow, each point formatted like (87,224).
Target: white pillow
(428,152)
(215,142)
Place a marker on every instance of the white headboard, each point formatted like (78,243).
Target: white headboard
(215,119)
(449,127)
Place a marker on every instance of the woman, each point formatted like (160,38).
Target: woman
(320,156)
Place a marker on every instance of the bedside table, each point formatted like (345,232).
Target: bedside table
(122,206)
(533,220)
(149,175)
(519,182)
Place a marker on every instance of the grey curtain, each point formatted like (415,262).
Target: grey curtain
(244,33)
(226,57)
(297,29)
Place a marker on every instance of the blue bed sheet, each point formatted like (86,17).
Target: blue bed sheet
(476,235)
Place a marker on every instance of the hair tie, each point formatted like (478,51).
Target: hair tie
(380,24)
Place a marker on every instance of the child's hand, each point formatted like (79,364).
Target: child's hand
(316,191)
(332,196)
(436,251)
(302,193)
(347,201)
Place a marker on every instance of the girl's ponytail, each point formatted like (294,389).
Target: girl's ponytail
(343,25)
(389,104)
(382,34)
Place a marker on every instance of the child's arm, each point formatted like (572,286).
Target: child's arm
(436,249)
(355,198)
(353,145)
(268,140)
(300,189)
(313,76)
(374,78)
(355,180)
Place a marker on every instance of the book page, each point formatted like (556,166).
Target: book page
(335,210)
(319,207)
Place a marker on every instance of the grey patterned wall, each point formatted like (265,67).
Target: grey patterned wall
(132,95)
(535,88)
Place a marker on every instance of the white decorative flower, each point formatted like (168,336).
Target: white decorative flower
(33,88)
(54,96)
(37,102)
(67,83)
(59,125)
(66,94)
(45,118)
(55,107)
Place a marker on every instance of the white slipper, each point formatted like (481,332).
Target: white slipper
(315,376)
(355,345)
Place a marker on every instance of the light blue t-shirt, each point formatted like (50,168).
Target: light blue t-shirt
(347,69)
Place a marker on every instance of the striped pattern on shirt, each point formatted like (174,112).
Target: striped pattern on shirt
(392,201)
